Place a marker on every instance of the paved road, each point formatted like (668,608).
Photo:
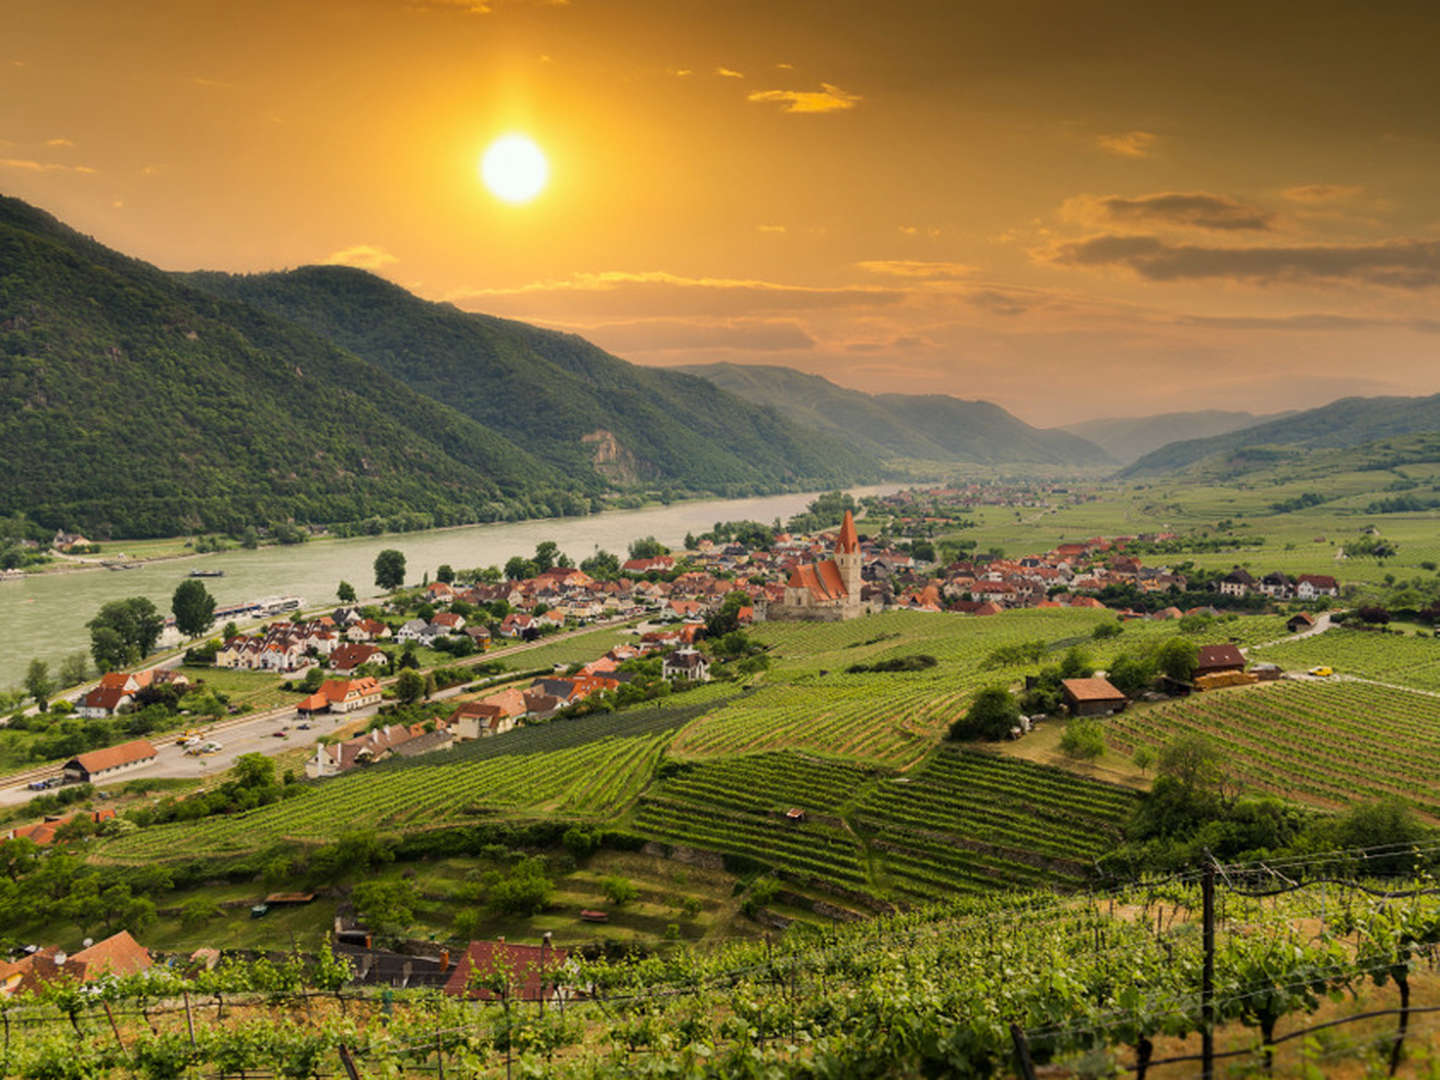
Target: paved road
(1321,625)
(255,733)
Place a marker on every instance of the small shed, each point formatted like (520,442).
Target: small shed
(1095,696)
(1300,622)
(795,814)
(590,915)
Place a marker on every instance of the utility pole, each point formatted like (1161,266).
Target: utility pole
(1207,975)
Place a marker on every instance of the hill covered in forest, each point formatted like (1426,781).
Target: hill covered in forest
(927,427)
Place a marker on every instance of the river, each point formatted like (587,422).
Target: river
(44,615)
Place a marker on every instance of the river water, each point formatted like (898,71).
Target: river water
(45,615)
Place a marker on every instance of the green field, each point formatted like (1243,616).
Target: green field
(1332,744)
(1408,661)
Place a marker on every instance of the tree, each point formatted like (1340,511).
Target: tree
(1178,659)
(992,715)
(38,682)
(601,565)
(619,890)
(445,573)
(545,553)
(193,608)
(1083,739)
(74,669)
(1131,674)
(254,771)
(518,568)
(1075,664)
(386,905)
(250,538)
(647,548)
(409,685)
(726,619)
(390,569)
(345,592)
(124,632)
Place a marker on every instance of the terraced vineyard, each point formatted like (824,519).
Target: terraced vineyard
(592,780)
(972,821)
(810,703)
(1331,744)
(1408,661)
(966,821)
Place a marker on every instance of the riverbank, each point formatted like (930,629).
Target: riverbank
(44,615)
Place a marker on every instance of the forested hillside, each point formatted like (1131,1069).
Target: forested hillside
(1126,438)
(1347,422)
(134,405)
(934,427)
(568,401)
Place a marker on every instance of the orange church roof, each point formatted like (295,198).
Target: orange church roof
(849,541)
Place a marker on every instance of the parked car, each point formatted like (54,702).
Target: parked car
(1322,672)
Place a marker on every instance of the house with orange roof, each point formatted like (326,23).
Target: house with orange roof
(119,954)
(102,764)
(342,696)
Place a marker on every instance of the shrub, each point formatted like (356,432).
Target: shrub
(618,890)
(991,716)
(1084,739)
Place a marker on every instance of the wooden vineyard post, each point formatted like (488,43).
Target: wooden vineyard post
(1207,975)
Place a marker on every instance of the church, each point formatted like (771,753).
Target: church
(828,590)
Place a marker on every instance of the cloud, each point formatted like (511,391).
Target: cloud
(679,335)
(771,228)
(917,268)
(1322,321)
(785,67)
(998,303)
(1405,264)
(1132,144)
(828,98)
(612,294)
(480,7)
(58,143)
(1323,193)
(728,73)
(1185,209)
(679,73)
(43,166)
(362,256)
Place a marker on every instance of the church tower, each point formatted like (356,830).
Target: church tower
(847,558)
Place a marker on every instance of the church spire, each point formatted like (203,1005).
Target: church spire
(849,541)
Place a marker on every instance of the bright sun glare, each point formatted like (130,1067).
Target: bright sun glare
(514,168)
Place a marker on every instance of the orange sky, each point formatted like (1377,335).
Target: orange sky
(1072,210)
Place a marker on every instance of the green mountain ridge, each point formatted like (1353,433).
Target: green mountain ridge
(1344,423)
(561,397)
(928,427)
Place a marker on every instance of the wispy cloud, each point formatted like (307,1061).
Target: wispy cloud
(1312,194)
(1182,209)
(362,256)
(59,143)
(1312,321)
(1133,144)
(43,166)
(679,73)
(1406,264)
(685,335)
(729,73)
(828,98)
(932,270)
(771,228)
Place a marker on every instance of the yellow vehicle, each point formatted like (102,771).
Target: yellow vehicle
(185,736)
(1322,672)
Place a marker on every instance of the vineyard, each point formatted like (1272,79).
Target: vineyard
(810,703)
(1308,980)
(965,821)
(1407,661)
(1331,744)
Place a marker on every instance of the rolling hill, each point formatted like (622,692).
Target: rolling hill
(1126,438)
(1348,422)
(562,398)
(932,427)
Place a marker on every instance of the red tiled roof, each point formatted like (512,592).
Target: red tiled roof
(849,542)
(528,968)
(126,753)
(1092,689)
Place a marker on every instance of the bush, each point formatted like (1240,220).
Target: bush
(1084,739)
(1107,630)
(524,891)
(618,890)
(578,842)
(992,715)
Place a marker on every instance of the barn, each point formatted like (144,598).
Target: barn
(1095,696)
(1219,660)
(100,764)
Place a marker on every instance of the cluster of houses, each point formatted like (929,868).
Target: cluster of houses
(1279,586)
(118,689)
(499,712)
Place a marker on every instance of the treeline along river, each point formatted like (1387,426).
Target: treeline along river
(45,615)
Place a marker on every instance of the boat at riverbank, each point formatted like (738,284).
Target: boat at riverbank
(207,573)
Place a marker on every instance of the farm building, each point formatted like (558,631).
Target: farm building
(99,764)
(1219,660)
(1092,697)
(533,971)
(1300,622)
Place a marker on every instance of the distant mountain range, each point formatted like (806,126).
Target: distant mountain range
(1348,422)
(928,427)
(1128,438)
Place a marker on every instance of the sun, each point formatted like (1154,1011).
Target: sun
(514,168)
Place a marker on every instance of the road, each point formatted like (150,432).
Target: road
(255,732)
(1321,625)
